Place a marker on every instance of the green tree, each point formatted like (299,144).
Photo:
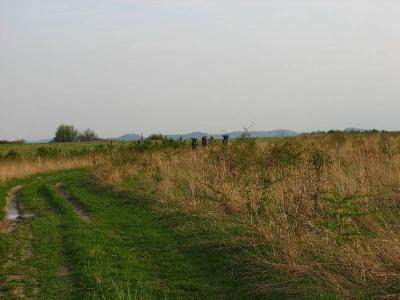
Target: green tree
(66,133)
(88,135)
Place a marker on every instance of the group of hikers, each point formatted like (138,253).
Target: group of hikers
(204,141)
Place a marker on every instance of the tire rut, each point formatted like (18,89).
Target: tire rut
(79,207)
(12,211)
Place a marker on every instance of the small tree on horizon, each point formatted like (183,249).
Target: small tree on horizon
(66,133)
(88,135)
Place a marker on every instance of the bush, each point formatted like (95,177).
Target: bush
(284,155)
(47,151)
(156,137)
(12,154)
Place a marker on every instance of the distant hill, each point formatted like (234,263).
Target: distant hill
(199,134)
(128,137)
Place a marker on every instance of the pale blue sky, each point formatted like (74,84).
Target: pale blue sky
(122,66)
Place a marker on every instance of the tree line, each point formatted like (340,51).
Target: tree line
(68,133)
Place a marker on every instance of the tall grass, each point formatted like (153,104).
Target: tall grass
(18,168)
(326,206)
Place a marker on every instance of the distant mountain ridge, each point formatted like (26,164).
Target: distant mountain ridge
(199,134)
(128,137)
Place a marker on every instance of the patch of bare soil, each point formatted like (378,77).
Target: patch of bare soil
(79,207)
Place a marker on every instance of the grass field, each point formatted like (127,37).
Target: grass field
(312,217)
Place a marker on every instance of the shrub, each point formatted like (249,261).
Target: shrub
(12,154)
(339,216)
(47,151)
(156,137)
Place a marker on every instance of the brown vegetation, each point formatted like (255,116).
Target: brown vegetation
(23,167)
(326,206)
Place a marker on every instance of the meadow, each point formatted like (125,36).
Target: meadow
(310,217)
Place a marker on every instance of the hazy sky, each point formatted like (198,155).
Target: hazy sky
(121,66)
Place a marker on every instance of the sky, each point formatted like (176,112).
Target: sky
(176,66)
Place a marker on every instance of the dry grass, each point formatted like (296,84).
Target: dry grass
(328,206)
(25,167)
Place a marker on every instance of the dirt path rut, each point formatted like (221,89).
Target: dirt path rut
(80,208)
(12,212)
